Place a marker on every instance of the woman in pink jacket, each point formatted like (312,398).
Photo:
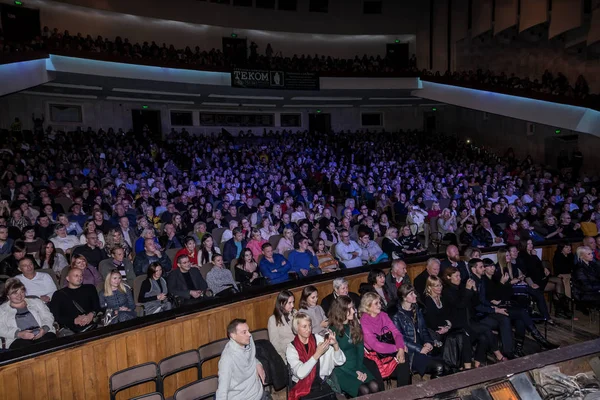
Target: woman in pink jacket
(384,344)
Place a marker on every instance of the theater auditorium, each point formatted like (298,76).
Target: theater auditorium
(299,199)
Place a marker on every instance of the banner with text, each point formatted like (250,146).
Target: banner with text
(264,79)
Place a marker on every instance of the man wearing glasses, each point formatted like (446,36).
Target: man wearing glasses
(348,250)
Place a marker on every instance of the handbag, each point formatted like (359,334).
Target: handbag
(386,363)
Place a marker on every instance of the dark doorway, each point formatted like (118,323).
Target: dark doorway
(20,24)
(147,123)
(235,50)
(429,122)
(319,123)
(398,54)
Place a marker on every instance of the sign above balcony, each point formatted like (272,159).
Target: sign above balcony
(265,79)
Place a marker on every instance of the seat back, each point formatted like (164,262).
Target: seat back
(199,390)
(217,234)
(150,396)
(137,286)
(274,241)
(232,266)
(133,376)
(211,351)
(205,269)
(171,253)
(260,334)
(63,277)
(178,362)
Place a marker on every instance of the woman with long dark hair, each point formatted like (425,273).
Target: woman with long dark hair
(280,323)
(207,249)
(246,270)
(353,376)
(309,306)
(49,258)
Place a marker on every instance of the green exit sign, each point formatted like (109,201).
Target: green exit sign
(18,3)
(145,107)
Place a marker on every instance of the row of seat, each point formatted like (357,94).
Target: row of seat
(157,373)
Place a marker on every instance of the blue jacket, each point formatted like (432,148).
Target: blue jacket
(267,269)
(415,336)
(299,260)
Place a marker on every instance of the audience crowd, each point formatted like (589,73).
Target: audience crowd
(122,48)
(98,228)
(549,83)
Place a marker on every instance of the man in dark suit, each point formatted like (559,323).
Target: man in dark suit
(454,260)
(234,247)
(187,283)
(340,288)
(128,233)
(432,269)
(396,278)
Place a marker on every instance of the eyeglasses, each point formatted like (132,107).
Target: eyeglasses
(345,236)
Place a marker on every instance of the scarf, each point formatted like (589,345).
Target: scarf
(302,388)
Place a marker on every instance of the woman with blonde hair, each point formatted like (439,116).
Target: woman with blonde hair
(437,319)
(384,344)
(302,355)
(255,243)
(286,243)
(24,321)
(117,298)
(115,238)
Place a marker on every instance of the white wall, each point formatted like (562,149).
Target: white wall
(105,114)
(137,28)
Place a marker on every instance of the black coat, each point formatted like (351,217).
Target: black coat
(586,282)
(275,369)
(178,286)
(328,300)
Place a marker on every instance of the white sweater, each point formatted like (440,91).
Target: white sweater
(328,361)
(238,378)
(8,323)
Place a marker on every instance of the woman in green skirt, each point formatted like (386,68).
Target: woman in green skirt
(353,376)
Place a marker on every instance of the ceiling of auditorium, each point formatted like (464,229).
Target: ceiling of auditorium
(78,86)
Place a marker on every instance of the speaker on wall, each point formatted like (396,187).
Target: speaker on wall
(19,24)
(530,129)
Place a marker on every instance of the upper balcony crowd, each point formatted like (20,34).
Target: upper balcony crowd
(550,86)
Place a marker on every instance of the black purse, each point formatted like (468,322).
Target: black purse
(387,338)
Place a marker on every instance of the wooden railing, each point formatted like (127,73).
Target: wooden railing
(82,371)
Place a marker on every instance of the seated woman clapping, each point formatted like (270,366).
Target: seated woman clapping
(353,377)
(24,321)
(303,354)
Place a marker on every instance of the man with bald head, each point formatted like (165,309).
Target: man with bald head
(453,260)
(66,313)
(150,254)
(396,278)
